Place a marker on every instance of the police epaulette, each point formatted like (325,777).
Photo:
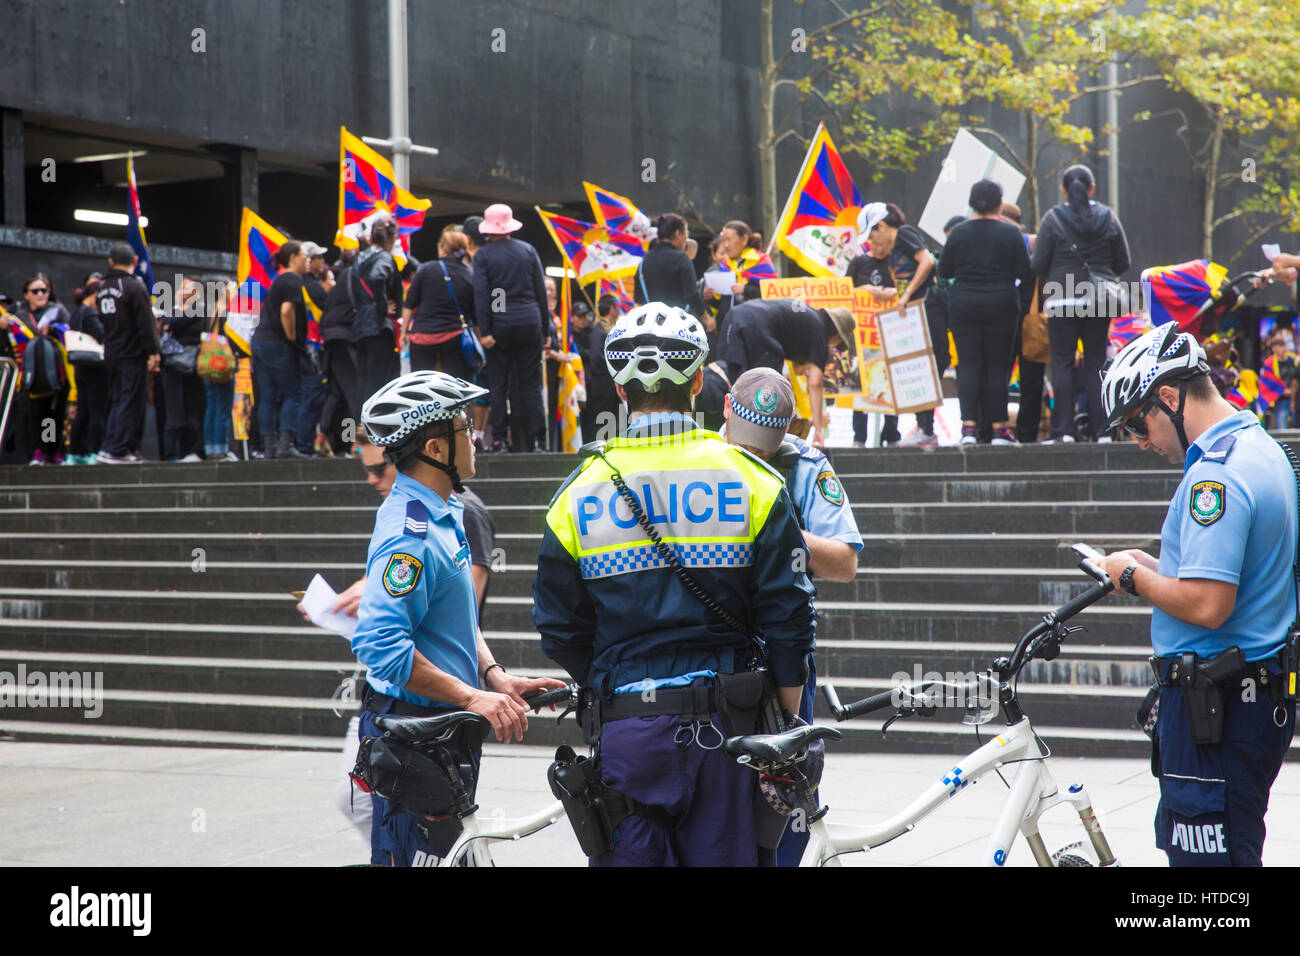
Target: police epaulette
(1219,450)
(417,519)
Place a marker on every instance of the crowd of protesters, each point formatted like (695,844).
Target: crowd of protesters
(328,335)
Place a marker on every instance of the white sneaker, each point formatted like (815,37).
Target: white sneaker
(189,459)
(919,438)
(230,456)
(1105,440)
(105,458)
(1063,440)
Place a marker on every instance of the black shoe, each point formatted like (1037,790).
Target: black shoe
(497,448)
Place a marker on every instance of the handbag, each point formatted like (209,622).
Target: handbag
(471,349)
(177,358)
(1108,293)
(83,350)
(1035,345)
(216,359)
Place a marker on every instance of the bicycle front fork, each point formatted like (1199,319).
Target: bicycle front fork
(1078,797)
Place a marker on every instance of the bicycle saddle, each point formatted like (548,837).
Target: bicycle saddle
(778,748)
(418,730)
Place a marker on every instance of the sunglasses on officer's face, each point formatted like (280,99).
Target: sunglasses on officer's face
(377,470)
(1137,425)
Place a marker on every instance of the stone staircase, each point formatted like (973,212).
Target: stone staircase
(173,582)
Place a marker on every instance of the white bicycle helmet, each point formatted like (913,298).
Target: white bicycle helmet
(394,414)
(655,343)
(1160,356)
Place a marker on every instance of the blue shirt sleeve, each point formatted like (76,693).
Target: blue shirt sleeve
(825,507)
(1214,523)
(392,606)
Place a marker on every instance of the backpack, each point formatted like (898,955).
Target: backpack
(43,372)
(348,314)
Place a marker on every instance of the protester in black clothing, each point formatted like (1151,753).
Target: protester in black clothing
(514,323)
(1030,415)
(1080,242)
(770,332)
(130,352)
(182,392)
(377,359)
(317,281)
(281,330)
(38,313)
(985,256)
(439,303)
(86,436)
(599,416)
(666,274)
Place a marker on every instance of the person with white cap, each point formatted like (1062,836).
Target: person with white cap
(513,325)
(758,412)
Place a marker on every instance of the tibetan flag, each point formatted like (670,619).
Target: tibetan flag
(256,270)
(616,288)
(819,227)
(1246,392)
(368,190)
(1181,292)
(618,212)
(19,334)
(135,231)
(1127,328)
(752,266)
(591,250)
(1271,385)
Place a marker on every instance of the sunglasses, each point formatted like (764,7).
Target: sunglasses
(1137,425)
(377,470)
(39,291)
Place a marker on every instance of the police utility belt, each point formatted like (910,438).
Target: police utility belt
(1204,681)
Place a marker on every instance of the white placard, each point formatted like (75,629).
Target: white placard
(1271,250)
(914,383)
(902,333)
(967,163)
(720,282)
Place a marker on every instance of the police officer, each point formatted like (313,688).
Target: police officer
(1223,581)
(417,631)
(615,614)
(758,411)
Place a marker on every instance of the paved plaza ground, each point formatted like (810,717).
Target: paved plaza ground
(97,805)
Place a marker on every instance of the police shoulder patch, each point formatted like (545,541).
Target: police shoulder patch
(402,573)
(828,485)
(1206,502)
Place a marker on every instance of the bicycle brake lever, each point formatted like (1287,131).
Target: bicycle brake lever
(898,715)
(564,713)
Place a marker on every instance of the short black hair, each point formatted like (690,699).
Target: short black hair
(605,303)
(669,225)
(669,397)
(952,224)
(1200,387)
(121,254)
(986,197)
(287,252)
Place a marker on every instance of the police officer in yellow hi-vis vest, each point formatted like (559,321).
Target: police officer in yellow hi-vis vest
(667,573)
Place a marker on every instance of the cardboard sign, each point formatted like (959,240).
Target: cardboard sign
(968,161)
(820,292)
(909,358)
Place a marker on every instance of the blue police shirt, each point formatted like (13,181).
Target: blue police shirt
(1233,519)
(819,496)
(419,593)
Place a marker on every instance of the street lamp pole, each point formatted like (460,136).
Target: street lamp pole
(398,102)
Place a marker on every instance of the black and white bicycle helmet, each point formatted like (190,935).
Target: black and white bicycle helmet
(1159,357)
(655,343)
(395,414)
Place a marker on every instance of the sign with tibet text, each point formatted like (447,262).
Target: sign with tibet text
(821,292)
(909,358)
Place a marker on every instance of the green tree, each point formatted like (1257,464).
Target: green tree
(1234,59)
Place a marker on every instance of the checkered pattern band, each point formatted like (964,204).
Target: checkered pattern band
(645,557)
(762,421)
(675,354)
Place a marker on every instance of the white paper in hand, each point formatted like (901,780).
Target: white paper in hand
(720,282)
(1271,250)
(318,600)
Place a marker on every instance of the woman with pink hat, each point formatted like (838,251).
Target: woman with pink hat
(513,323)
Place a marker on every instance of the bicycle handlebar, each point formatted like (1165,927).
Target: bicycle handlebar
(875,702)
(561,695)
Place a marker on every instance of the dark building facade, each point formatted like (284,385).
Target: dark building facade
(238,102)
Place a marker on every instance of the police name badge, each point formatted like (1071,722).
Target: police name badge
(830,488)
(402,573)
(1207,502)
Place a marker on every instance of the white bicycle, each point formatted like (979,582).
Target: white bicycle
(472,846)
(1032,792)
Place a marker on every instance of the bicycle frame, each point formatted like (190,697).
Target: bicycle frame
(475,838)
(1032,793)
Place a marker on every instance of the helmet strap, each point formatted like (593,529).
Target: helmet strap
(1177,417)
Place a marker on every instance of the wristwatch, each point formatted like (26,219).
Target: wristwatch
(1126,580)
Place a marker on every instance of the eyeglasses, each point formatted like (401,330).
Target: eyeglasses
(41,291)
(1137,425)
(377,470)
